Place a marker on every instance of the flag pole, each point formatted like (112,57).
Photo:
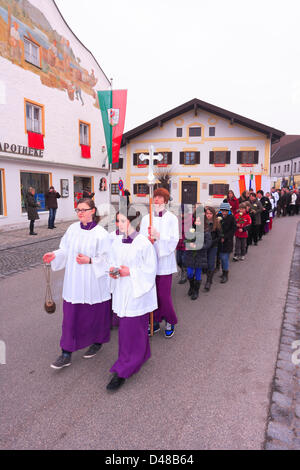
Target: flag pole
(110,173)
(151,184)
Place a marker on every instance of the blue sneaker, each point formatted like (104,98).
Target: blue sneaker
(170,330)
(156,328)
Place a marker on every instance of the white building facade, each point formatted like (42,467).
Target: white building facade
(285,164)
(206,150)
(50,124)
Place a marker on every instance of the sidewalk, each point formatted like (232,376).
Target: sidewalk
(21,237)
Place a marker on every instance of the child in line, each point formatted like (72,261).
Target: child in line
(243,221)
(196,254)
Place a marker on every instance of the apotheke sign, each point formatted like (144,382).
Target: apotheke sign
(20,150)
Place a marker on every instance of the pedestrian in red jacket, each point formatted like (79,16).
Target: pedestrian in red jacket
(243,221)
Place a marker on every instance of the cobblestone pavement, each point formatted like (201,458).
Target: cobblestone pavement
(19,251)
(21,237)
(283,430)
(22,258)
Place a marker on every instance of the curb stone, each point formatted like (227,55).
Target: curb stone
(283,428)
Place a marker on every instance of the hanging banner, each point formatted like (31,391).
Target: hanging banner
(113,110)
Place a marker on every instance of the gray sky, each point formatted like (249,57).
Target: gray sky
(240,55)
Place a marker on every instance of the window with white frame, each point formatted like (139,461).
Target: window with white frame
(84,130)
(32,52)
(33,118)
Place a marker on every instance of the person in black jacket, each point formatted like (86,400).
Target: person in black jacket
(267,207)
(228,227)
(195,259)
(214,228)
(51,197)
(31,207)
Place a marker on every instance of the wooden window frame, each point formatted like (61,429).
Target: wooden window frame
(137,192)
(42,108)
(36,44)
(88,124)
(216,194)
(4,204)
(112,189)
(248,162)
(195,128)
(225,153)
(183,158)
(118,165)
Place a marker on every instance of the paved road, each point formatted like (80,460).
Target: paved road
(206,388)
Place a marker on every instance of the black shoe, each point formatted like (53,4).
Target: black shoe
(183,277)
(115,383)
(62,361)
(50,228)
(224,277)
(32,233)
(209,280)
(191,289)
(195,293)
(54,226)
(156,328)
(92,351)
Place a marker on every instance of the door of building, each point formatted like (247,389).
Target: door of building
(189,190)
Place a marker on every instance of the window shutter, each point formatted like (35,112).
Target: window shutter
(135,188)
(211,190)
(181,158)
(239,158)
(227,157)
(211,158)
(135,159)
(169,158)
(197,157)
(256,154)
(120,164)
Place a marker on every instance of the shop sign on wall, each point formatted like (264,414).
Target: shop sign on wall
(20,150)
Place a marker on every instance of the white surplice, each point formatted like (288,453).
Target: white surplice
(165,247)
(84,283)
(134,295)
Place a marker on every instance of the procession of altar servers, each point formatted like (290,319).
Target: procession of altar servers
(89,313)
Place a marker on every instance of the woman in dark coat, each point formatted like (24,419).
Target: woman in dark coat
(31,207)
(228,227)
(195,258)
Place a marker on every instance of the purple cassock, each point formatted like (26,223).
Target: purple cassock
(85,324)
(165,309)
(134,345)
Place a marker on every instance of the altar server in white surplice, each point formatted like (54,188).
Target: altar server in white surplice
(134,295)
(165,237)
(83,253)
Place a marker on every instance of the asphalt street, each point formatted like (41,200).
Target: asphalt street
(208,387)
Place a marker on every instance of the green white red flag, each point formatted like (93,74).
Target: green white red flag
(113,110)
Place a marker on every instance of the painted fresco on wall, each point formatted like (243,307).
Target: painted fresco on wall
(59,67)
